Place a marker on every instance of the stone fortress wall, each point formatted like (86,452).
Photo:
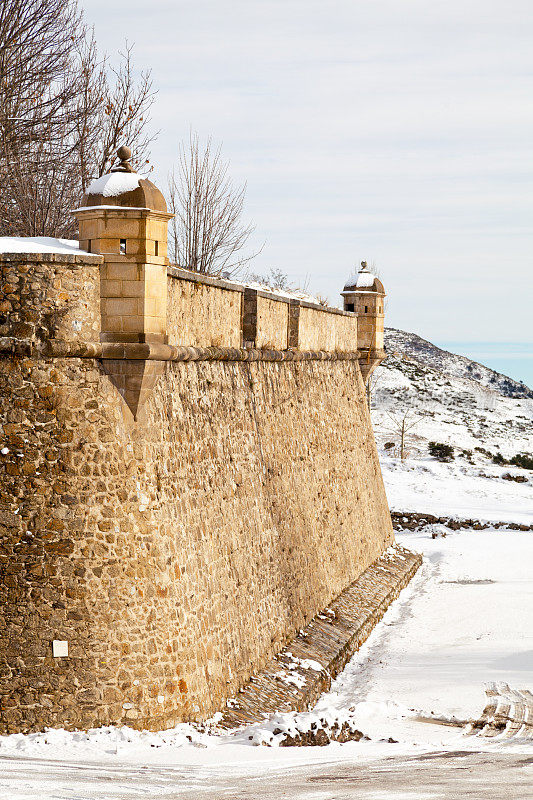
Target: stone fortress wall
(210,312)
(176,552)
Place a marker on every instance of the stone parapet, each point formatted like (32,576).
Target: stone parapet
(60,304)
(46,296)
(322,328)
(208,311)
(203,311)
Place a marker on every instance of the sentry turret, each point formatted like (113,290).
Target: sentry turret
(124,218)
(364,295)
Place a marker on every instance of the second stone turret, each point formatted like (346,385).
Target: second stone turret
(365,295)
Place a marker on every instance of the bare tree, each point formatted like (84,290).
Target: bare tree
(122,116)
(62,111)
(207,234)
(279,281)
(38,40)
(401,425)
(274,279)
(373,381)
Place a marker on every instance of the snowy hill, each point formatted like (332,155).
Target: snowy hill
(449,399)
(424,352)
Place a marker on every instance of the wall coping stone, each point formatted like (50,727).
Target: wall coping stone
(329,309)
(155,351)
(208,280)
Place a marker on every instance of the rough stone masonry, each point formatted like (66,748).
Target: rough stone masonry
(176,506)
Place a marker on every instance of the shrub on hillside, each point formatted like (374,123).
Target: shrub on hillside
(441,451)
(522,460)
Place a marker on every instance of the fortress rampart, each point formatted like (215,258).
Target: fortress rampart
(175,553)
(210,312)
(188,474)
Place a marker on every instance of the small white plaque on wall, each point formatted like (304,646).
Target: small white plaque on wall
(59,648)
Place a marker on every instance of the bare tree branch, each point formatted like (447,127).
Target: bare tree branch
(401,425)
(63,113)
(207,234)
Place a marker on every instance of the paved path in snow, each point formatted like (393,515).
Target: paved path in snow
(440,775)
(296,677)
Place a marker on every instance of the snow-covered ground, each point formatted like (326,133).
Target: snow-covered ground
(465,620)
(428,486)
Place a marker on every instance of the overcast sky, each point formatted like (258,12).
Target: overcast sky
(397,132)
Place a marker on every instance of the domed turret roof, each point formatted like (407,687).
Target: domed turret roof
(364,281)
(124,188)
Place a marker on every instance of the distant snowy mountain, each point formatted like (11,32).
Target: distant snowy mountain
(449,399)
(418,349)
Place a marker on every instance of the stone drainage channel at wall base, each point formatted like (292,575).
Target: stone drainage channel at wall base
(299,674)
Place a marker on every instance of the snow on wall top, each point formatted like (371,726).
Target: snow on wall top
(114,184)
(291,293)
(40,244)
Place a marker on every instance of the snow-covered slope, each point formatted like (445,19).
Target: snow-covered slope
(420,350)
(446,398)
